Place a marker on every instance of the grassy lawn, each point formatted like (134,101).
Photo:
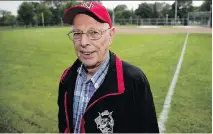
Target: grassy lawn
(191,110)
(156,55)
(32,61)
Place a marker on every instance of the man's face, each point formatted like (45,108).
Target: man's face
(91,52)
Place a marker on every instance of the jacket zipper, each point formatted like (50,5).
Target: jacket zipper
(121,90)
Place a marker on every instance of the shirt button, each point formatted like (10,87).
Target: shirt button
(96,85)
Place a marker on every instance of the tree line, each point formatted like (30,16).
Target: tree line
(30,13)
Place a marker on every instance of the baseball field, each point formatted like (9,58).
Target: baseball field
(32,61)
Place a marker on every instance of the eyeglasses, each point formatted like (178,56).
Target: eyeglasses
(91,34)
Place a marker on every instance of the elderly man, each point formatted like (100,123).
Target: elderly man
(100,93)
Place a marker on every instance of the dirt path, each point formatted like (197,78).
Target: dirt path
(163,30)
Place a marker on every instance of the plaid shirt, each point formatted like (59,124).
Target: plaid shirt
(84,90)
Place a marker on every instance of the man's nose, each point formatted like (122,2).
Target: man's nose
(84,40)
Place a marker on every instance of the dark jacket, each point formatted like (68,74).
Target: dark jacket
(122,104)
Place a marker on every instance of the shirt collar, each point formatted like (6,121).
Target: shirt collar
(95,78)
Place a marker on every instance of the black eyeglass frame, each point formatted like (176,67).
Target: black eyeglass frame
(101,34)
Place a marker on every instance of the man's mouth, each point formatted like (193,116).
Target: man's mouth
(86,53)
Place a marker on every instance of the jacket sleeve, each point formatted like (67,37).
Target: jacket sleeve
(145,117)
(61,110)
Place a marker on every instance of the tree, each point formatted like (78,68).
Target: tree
(7,18)
(56,17)
(206,5)
(155,13)
(126,14)
(37,16)
(165,10)
(10,20)
(144,10)
(121,12)
(118,16)
(183,7)
(120,8)
(53,3)
(72,3)
(196,9)
(42,8)
(134,17)
(57,9)
(26,13)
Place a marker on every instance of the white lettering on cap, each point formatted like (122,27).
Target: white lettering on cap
(88,4)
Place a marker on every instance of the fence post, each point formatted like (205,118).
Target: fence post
(177,20)
(156,21)
(42,17)
(193,19)
(183,20)
(202,22)
(167,19)
(188,19)
(137,21)
(62,24)
(210,18)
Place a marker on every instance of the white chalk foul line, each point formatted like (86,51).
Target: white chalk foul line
(167,102)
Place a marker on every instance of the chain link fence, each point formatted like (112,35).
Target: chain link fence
(19,25)
(195,21)
(203,21)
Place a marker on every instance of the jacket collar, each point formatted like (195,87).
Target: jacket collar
(108,86)
(73,69)
(97,78)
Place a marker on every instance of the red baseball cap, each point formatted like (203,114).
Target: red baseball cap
(95,8)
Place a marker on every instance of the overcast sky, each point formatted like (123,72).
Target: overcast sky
(12,6)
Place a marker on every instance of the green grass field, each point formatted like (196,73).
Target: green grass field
(32,61)
(191,109)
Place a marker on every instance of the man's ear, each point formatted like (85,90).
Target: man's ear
(112,34)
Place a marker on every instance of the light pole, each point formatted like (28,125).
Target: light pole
(175,10)
(113,15)
(42,17)
(188,19)
(210,15)
(62,24)
(166,19)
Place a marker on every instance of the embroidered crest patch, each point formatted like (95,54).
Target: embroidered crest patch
(88,4)
(105,122)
